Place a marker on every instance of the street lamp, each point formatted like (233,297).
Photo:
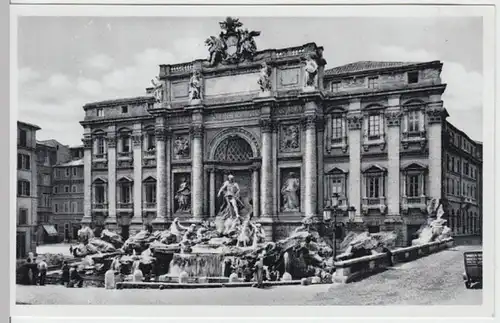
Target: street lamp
(352,212)
(327,217)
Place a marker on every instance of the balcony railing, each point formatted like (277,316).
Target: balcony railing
(99,206)
(374,203)
(125,154)
(150,152)
(125,205)
(100,156)
(414,202)
(149,205)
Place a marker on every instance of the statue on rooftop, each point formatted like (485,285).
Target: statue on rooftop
(311,72)
(157,89)
(233,44)
(195,87)
(265,78)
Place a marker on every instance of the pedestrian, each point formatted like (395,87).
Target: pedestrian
(42,269)
(33,270)
(65,274)
(389,256)
(71,249)
(75,280)
(259,271)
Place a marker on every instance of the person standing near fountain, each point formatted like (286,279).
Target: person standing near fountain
(232,195)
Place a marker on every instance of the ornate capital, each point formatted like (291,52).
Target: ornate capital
(137,139)
(320,124)
(436,115)
(160,133)
(393,118)
(354,122)
(309,122)
(87,142)
(111,140)
(196,130)
(255,167)
(266,125)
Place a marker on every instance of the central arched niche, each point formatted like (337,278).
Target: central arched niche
(233,149)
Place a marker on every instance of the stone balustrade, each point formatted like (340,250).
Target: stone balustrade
(357,268)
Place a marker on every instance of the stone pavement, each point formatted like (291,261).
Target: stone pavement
(62,248)
(436,279)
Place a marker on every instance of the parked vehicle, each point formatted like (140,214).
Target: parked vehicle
(473,275)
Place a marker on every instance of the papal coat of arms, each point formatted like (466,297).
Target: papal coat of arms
(233,44)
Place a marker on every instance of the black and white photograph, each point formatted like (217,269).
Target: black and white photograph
(223,158)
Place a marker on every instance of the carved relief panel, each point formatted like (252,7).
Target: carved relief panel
(290,138)
(181,146)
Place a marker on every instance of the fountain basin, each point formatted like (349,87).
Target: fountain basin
(197,264)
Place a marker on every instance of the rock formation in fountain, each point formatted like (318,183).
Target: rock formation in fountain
(435,229)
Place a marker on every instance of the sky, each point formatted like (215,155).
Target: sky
(65,62)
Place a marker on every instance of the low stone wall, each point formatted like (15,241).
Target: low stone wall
(157,285)
(354,269)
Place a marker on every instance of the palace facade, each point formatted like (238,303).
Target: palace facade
(27,201)
(290,131)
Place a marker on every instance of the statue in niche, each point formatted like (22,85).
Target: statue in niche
(195,86)
(157,89)
(183,196)
(181,147)
(265,78)
(290,193)
(232,202)
(291,137)
(311,70)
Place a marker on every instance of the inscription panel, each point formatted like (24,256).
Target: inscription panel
(180,90)
(288,77)
(222,116)
(295,109)
(234,84)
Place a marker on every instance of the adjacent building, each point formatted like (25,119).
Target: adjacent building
(67,197)
(49,153)
(27,187)
(462,161)
(290,131)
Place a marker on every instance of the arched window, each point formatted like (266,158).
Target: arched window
(234,149)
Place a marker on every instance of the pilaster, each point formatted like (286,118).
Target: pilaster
(160,134)
(196,131)
(310,158)
(137,160)
(393,117)
(111,142)
(354,122)
(87,177)
(267,205)
(255,190)
(436,115)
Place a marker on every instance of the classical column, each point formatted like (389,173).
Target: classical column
(168,174)
(212,192)
(197,171)
(436,116)
(321,170)
(111,140)
(255,190)
(310,166)
(161,183)
(137,155)
(87,178)
(354,124)
(266,181)
(393,190)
